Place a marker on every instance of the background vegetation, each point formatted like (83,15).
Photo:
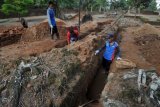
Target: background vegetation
(20,7)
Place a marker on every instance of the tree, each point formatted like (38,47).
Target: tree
(152,6)
(120,4)
(19,7)
(68,3)
(97,4)
(143,4)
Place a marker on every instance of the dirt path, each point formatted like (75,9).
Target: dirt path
(14,21)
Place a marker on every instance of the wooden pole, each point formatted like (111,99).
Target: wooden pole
(79,15)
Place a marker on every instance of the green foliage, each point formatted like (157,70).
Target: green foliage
(68,3)
(152,6)
(143,4)
(123,4)
(40,3)
(95,4)
(16,6)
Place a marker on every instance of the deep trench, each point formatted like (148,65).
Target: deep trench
(96,87)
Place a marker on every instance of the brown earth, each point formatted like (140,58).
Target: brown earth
(41,31)
(10,35)
(36,40)
(150,48)
(141,45)
(62,75)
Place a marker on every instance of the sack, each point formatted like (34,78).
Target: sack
(125,64)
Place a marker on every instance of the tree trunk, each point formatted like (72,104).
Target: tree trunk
(100,9)
(19,16)
(91,8)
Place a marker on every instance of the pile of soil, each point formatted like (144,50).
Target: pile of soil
(88,27)
(150,49)
(10,35)
(42,30)
(146,29)
(7,28)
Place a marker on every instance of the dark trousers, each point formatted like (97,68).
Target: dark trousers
(53,31)
(106,64)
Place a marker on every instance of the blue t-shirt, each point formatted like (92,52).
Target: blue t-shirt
(51,18)
(110,50)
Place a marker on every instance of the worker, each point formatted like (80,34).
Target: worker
(72,35)
(24,22)
(51,20)
(111,49)
(117,34)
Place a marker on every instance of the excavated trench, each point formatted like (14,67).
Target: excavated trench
(97,85)
(88,89)
(93,91)
(90,85)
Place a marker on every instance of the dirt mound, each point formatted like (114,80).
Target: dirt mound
(144,40)
(54,78)
(150,49)
(10,35)
(41,31)
(88,27)
(146,29)
(4,29)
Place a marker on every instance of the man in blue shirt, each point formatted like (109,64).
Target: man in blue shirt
(52,21)
(111,49)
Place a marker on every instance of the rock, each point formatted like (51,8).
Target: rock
(11,32)
(129,75)
(5,93)
(125,64)
(113,103)
(3,85)
(33,77)
(29,85)
(1,34)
